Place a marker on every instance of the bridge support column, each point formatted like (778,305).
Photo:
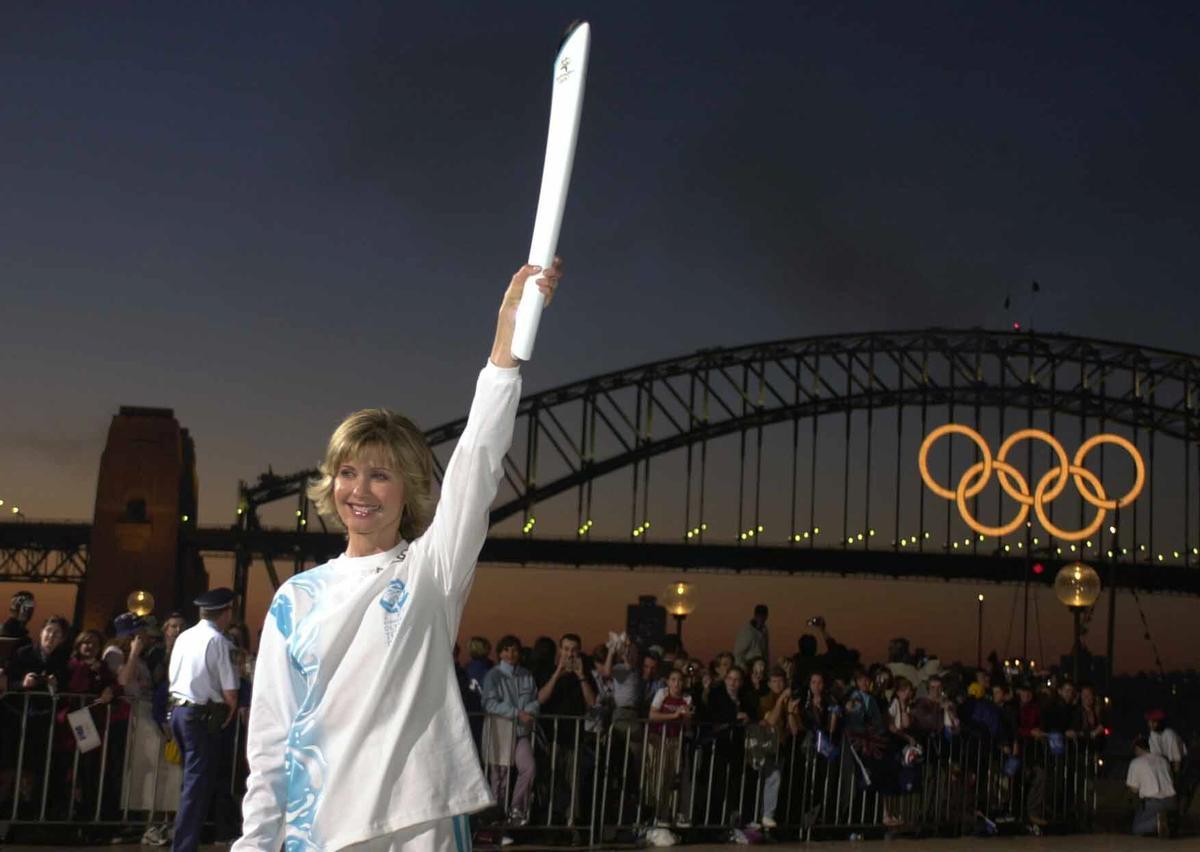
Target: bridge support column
(145,496)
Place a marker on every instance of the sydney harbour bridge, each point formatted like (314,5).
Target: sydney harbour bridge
(801,456)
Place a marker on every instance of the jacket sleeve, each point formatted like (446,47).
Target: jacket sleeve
(530,702)
(460,524)
(494,701)
(273,706)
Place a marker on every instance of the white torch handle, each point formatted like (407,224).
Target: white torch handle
(566,104)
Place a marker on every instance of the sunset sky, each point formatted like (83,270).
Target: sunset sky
(267,215)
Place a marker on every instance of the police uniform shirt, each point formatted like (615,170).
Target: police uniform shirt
(201,665)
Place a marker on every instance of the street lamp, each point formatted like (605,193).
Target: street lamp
(140,603)
(680,601)
(1077,587)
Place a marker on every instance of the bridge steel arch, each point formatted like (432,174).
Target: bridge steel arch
(571,437)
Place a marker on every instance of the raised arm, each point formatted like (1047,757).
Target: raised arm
(128,673)
(547,689)
(604,669)
(460,524)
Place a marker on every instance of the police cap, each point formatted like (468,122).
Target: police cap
(215,598)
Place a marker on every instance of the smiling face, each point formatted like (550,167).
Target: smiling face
(369,496)
(510,654)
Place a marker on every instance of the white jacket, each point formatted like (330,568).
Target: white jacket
(357,728)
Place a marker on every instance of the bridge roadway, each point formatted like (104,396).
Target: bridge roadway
(70,540)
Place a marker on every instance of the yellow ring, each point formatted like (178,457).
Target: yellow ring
(1059,532)
(962,494)
(1139,479)
(923,462)
(1025,498)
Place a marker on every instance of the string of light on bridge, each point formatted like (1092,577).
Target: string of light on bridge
(8,508)
(913,541)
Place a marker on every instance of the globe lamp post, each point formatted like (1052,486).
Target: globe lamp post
(140,603)
(680,601)
(1077,587)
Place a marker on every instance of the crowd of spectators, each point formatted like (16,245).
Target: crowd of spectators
(119,674)
(536,711)
(754,705)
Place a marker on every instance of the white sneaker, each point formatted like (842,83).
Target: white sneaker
(767,822)
(506,840)
(156,835)
(682,821)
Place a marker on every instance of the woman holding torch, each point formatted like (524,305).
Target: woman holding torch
(357,737)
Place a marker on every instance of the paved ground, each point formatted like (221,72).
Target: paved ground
(1074,843)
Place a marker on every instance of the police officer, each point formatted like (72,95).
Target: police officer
(203,698)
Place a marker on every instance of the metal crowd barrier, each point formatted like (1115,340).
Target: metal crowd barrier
(126,781)
(613,782)
(600,781)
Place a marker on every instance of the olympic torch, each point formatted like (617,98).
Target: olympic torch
(566,104)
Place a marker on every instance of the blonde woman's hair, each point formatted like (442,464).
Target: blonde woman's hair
(405,451)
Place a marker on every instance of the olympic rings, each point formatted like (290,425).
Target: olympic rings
(1048,488)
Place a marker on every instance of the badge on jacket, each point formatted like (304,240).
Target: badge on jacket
(393,599)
